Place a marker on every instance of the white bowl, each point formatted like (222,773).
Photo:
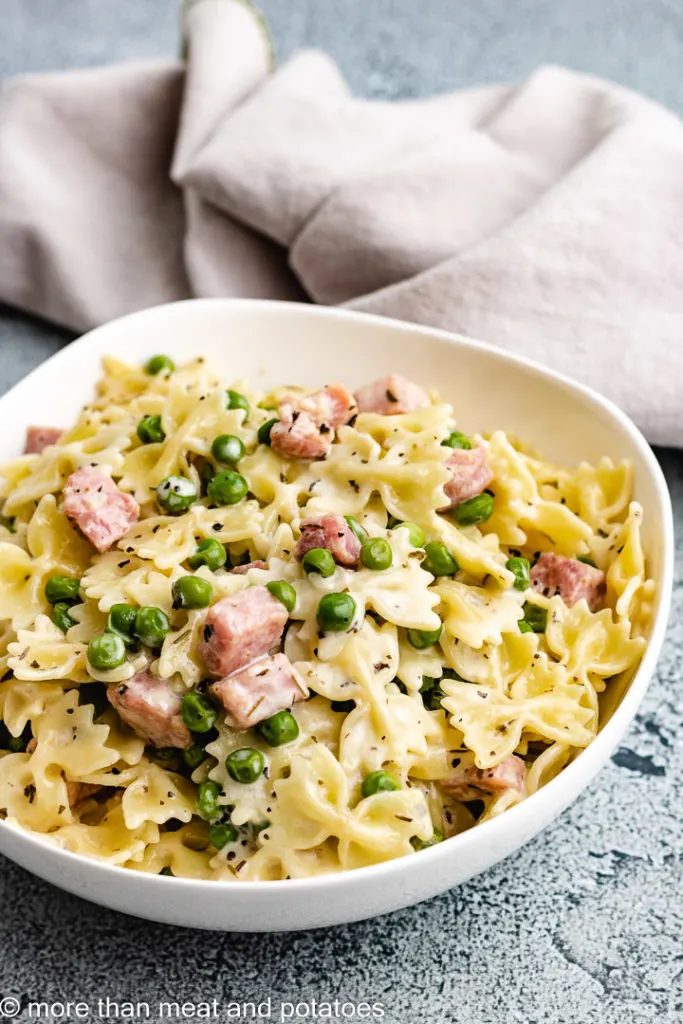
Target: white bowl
(274,343)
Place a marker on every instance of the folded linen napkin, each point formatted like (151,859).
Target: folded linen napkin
(545,217)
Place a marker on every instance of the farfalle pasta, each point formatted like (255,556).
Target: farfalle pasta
(251,636)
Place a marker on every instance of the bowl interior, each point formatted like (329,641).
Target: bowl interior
(276,343)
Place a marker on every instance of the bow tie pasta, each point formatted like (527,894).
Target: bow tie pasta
(255,636)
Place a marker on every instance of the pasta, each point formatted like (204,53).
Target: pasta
(255,636)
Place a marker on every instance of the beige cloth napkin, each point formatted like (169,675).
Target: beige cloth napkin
(545,217)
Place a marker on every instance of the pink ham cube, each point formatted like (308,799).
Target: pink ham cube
(307,425)
(391,396)
(470,475)
(258,691)
(150,706)
(40,438)
(98,508)
(470,783)
(571,579)
(241,628)
(330,531)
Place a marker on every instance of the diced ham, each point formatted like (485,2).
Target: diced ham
(469,782)
(307,425)
(571,579)
(98,508)
(151,707)
(470,475)
(241,628)
(40,438)
(80,791)
(299,436)
(390,396)
(330,531)
(258,691)
(333,405)
(241,570)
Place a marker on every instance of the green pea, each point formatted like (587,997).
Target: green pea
(279,729)
(586,560)
(14,744)
(415,533)
(227,488)
(121,620)
(175,494)
(284,592)
(335,612)
(63,589)
(210,553)
(319,560)
(245,765)
(151,626)
(17,744)
(379,782)
(521,570)
(423,844)
(191,592)
(198,713)
(160,364)
(150,430)
(355,526)
(207,804)
(106,651)
(165,753)
(376,554)
(207,473)
(193,755)
(60,616)
(432,697)
(423,638)
(535,617)
(227,448)
(476,510)
(263,432)
(222,833)
(234,400)
(457,440)
(9,523)
(438,560)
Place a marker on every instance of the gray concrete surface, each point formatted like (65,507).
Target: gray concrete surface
(584,924)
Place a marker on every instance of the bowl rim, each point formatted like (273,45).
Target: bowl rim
(604,742)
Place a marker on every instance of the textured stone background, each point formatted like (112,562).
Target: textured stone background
(585,923)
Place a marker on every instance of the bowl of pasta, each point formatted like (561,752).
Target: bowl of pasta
(308,615)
